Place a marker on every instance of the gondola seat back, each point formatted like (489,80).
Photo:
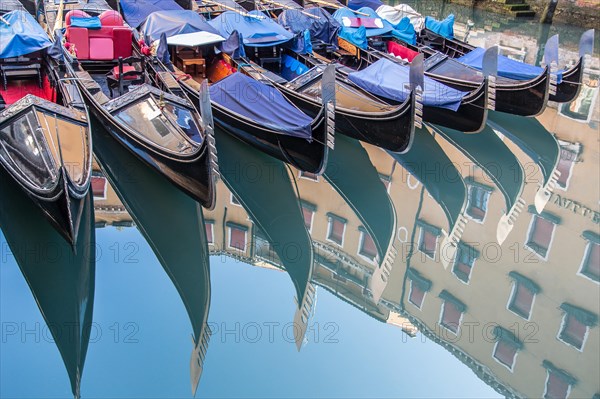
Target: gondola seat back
(111,41)
(399,50)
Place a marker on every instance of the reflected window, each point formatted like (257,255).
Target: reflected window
(464,261)
(523,295)
(367,248)
(558,382)
(234,201)
(541,232)
(309,175)
(428,238)
(209,225)
(452,312)
(99,186)
(308,212)
(590,264)
(336,229)
(237,236)
(478,197)
(575,325)
(568,156)
(506,347)
(417,295)
(419,286)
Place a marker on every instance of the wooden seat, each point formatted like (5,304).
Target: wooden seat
(198,63)
(20,69)
(125,74)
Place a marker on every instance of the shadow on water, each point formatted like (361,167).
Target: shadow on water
(181,249)
(61,278)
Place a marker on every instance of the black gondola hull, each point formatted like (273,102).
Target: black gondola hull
(191,175)
(391,131)
(298,152)
(570,86)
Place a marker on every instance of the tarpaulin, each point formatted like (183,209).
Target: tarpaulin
(22,35)
(136,11)
(323,29)
(174,22)
(390,80)
(263,32)
(261,103)
(444,28)
(507,67)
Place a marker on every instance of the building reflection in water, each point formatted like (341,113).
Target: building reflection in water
(522,315)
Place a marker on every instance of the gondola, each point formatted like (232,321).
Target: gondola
(253,111)
(469,116)
(161,129)
(359,184)
(45,142)
(449,192)
(358,114)
(570,79)
(525,98)
(61,279)
(281,222)
(183,256)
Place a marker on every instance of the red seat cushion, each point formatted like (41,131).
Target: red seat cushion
(400,51)
(101,48)
(79,37)
(126,68)
(122,37)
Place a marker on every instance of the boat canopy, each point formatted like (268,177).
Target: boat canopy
(356,28)
(177,23)
(261,103)
(20,34)
(136,11)
(256,29)
(390,80)
(324,28)
(507,67)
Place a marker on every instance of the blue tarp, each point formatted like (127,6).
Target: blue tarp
(348,13)
(255,32)
(444,28)
(324,29)
(358,36)
(405,31)
(388,79)
(357,4)
(86,22)
(136,11)
(507,67)
(292,68)
(22,35)
(262,103)
(174,22)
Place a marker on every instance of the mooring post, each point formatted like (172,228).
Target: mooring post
(548,13)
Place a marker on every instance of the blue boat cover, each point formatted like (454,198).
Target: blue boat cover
(357,4)
(292,68)
(174,22)
(389,79)
(255,32)
(86,22)
(323,29)
(22,35)
(358,36)
(443,28)
(507,67)
(136,11)
(261,103)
